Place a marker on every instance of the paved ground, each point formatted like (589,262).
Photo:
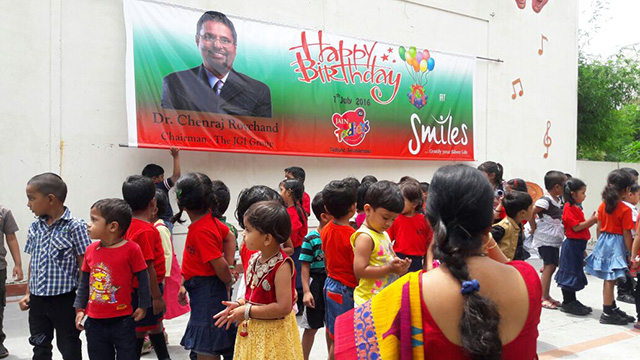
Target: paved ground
(561,335)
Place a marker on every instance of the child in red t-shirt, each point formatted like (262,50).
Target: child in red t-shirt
(291,191)
(570,276)
(340,202)
(140,193)
(108,272)
(206,274)
(411,233)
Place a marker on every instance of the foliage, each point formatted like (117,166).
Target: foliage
(608,102)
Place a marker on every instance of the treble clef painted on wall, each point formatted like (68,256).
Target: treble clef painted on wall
(547,139)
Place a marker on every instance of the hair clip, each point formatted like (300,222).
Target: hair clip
(469,287)
(178,192)
(463,229)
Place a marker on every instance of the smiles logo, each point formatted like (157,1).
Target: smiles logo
(351,127)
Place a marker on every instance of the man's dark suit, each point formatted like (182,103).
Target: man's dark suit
(240,95)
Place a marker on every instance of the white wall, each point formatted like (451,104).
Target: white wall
(62,81)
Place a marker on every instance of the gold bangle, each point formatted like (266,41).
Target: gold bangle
(493,246)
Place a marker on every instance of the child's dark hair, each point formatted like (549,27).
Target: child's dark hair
(138,191)
(573,184)
(634,188)
(385,194)
(369,178)
(631,171)
(317,206)
(362,191)
(617,181)
(424,186)
(553,178)
(152,170)
(115,210)
(194,191)
(517,184)
(459,218)
(252,195)
(353,182)
(270,217)
(516,201)
(407,178)
(297,190)
(162,202)
(297,172)
(50,183)
(223,197)
(338,197)
(492,167)
(411,191)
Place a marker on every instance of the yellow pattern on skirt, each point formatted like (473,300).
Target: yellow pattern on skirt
(269,340)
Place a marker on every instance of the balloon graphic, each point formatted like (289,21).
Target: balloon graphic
(412,51)
(425,54)
(416,66)
(401,51)
(423,65)
(408,58)
(419,57)
(431,64)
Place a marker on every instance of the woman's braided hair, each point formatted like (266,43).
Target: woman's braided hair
(459,208)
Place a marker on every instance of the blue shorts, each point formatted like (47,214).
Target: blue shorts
(338,299)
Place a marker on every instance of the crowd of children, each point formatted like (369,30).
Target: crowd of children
(119,288)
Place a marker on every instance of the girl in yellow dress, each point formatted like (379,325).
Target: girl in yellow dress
(267,326)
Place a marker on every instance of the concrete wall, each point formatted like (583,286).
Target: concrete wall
(62,85)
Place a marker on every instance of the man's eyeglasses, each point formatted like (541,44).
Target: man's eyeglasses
(212,39)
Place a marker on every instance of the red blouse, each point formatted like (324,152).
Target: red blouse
(261,278)
(437,346)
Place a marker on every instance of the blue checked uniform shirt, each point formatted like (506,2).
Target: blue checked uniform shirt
(54,251)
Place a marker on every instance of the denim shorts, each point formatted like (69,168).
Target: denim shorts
(338,299)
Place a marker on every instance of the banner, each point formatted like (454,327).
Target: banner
(216,82)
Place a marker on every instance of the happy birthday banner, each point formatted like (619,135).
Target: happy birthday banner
(290,91)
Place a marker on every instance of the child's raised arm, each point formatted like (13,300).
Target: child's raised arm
(175,153)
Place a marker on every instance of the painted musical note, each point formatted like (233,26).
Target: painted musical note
(513,84)
(547,139)
(542,40)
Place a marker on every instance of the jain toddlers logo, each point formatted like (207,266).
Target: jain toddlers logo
(351,127)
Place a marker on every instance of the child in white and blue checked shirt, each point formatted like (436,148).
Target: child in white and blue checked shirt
(56,242)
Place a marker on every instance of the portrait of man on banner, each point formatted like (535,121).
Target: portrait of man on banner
(214,86)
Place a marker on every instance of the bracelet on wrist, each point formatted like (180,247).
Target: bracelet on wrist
(247,311)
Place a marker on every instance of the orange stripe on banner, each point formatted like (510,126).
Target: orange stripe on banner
(588,345)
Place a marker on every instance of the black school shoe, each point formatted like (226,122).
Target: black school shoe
(624,315)
(613,319)
(3,351)
(588,308)
(574,308)
(626,298)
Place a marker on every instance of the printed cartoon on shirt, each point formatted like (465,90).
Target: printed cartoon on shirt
(102,290)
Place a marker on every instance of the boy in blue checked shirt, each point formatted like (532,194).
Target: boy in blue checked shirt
(56,242)
(313,277)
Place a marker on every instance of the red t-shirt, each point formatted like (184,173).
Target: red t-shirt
(298,228)
(338,253)
(111,275)
(412,235)
(572,215)
(203,244)
(148,239)
(616,222)
(306,203)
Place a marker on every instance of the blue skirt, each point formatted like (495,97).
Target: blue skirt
(570,275)
(608,261)
(206,294)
